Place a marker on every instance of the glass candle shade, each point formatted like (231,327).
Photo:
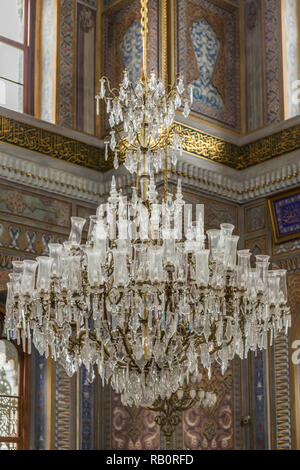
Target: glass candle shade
(154,221)
(169,250)
(213,241)
(283,293)
(181,263)
(100,239)
(92,225)
(262,258)
(77,224)
(95,274)
(261,278)
(43,273)
(120,268)
(231,243)
(252,283)
(101,209)
(245,252)
(202,271)
(55,253)
(66,270)
(14,280)
(74,277)
(143,223)
(18,267)
(199,226)
(139,264)
(9,297)
(122,229)
(178,222)
(243,268)
(28,278)
(225,232)
(155,256)
(273,280)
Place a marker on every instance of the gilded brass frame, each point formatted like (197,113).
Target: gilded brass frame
(276,237)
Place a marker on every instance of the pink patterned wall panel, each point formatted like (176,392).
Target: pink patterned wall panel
(212,429)
(132,428)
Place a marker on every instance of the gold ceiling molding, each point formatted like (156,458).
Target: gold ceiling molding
(218,150)
(195,142)
(54,145)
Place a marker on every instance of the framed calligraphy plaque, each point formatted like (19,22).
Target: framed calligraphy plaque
(284,209)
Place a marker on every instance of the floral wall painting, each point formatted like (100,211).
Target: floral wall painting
(132,50)
(284,212)
(207,54)
(206,48)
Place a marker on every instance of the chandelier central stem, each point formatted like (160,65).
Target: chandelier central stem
(144,21)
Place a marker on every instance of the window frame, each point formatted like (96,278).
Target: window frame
(28,48)
(23,439)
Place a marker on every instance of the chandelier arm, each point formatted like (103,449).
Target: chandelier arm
(127,347)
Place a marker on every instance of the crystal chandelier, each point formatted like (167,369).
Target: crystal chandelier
(144,298)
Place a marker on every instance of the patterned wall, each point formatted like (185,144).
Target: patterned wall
(208,56)
(208,49)
(212,429)
(85,68)
(263,65)
(66,63)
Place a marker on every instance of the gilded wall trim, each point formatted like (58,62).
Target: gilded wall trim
(195,142)
(218,150)
(51,144)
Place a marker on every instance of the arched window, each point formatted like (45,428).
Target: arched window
(17,34)
(14,395)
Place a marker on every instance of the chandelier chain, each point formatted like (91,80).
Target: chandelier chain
(144,22)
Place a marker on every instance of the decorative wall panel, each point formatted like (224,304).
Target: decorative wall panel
(212,429)
(66,64)
(32,206)
(85,68)
(286,248)
(273,60)
(259,415)
(63,411)
(255,218)
(38,401)
(208,57)
(132,428)
(254,63)
(27,240)
(87,411)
